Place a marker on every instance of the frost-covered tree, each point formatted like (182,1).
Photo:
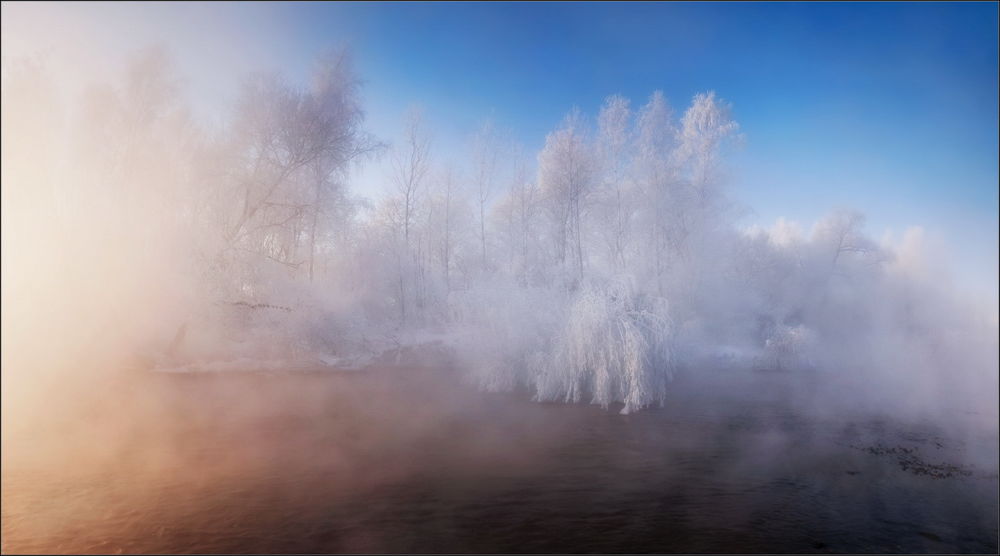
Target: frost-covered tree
(517,221)
(840,236)
(614,148)
(704,212)
(489,149)
(335,106)
(410,167)
(410,170)
(566,177)
(444,215)
(281,162)
(705,128)
(655,170)
(615,346)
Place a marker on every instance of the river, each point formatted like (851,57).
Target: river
(414,460)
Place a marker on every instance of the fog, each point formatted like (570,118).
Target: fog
(589,271)
(605,269)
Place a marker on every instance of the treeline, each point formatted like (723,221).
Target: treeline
(587,271)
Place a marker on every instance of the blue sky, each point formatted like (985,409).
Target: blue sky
(890,108)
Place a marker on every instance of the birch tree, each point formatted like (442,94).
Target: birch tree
(410,165)
(566,176)
(613,146)
(655,171)
(488,150)
(335,107)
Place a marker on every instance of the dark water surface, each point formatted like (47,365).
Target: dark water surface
(410,460)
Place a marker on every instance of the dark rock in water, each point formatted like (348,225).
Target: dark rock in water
(853,472)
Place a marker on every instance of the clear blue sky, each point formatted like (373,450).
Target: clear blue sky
(890,108)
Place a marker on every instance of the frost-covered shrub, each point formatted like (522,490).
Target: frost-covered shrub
(605,342)
(615,346)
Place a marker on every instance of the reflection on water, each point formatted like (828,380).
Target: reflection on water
(408,460)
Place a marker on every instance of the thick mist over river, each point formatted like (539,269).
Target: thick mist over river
(408,460)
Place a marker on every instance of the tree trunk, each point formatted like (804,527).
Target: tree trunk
(447,238)
(482,229)
(312,242)
(579,242)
